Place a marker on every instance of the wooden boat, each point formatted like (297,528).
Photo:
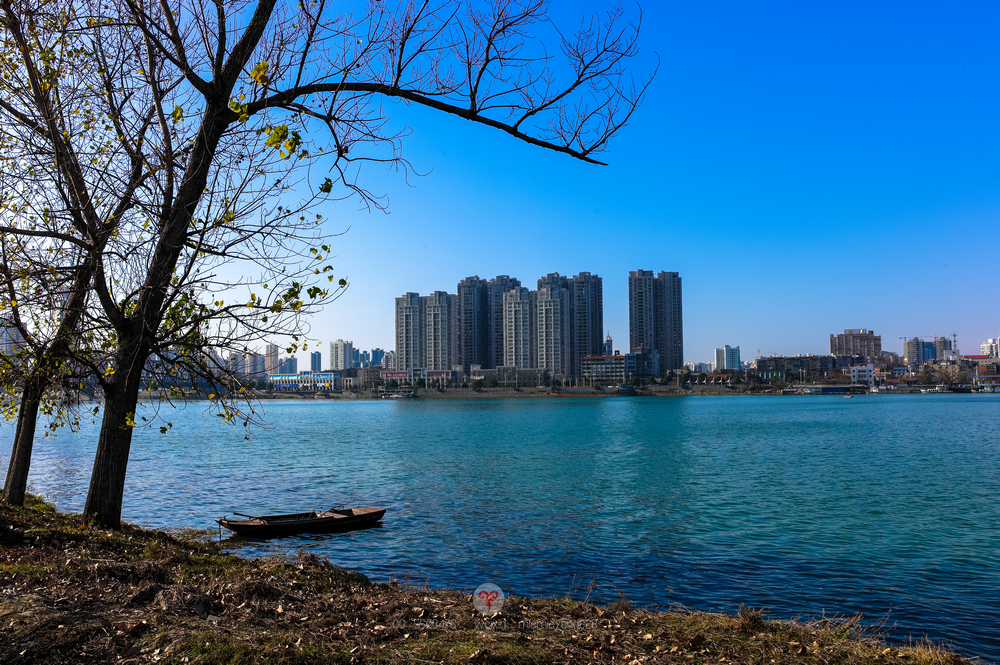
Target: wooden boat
(267,526)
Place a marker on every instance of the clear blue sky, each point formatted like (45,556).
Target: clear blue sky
(805,167)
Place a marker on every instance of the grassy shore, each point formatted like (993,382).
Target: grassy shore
(71,593)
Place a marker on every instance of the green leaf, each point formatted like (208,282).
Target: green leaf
(327,186)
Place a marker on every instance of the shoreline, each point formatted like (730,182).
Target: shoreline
(71,592)
(459,394)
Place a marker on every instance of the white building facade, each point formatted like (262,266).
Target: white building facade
(727,357)
(863,374)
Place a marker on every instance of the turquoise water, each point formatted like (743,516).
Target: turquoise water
(883,505)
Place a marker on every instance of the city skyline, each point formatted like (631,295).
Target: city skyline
(806,168)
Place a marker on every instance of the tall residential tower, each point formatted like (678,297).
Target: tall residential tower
(655,316)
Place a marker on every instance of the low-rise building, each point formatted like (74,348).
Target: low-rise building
(603,370)
(640,363)
(795,368)
(305,381)
(863,374)
(369,378)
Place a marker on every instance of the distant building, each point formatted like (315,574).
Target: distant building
(856,342)
(617,368)
(991,347)
(913,351)
(271,359)
(365,358)
(642,364)
(316,361)
(608,347)
(727,357)
(253,366)
(440,328)
(369,378)
(377,355)
(795,368)
(603,370)
(586,293)
(472,319)
(520,333)
(289,365)
(494,326)
(655,316)
(426,331)
(355,357)
(10,337)
(863,374)
(553,328)
(341,355)
(409,332)
(944,349)
(389,361)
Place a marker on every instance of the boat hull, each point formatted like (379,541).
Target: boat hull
(332,521)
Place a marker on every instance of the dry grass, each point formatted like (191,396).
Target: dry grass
(70,593)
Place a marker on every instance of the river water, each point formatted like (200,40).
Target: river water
(887,506)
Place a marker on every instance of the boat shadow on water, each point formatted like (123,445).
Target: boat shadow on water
(236,539)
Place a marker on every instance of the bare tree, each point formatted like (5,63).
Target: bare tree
(196,144)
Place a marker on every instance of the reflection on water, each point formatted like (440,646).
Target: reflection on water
(884,505)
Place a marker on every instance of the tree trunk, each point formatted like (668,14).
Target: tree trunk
(24,437)
(107,481)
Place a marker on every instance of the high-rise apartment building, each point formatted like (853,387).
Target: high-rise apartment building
(856,342)
(943,348)
(289,365)
(341,354)
(553,327)
(472,317)
(271,358)
(389,361)
(655,316)
(10,337)
(254,367)
(409,332)
(426,331)
(914,351)
(494,328)
(520,333)
(440,331)
(587,305)
(377,355)
(316,361)
(727,357)
(991,347)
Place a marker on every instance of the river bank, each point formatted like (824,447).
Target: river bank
(71,593)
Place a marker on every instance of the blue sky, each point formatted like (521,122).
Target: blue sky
(805,167)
